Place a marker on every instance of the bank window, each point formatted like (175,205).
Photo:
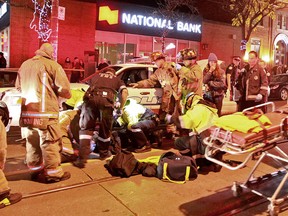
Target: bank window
(116,53)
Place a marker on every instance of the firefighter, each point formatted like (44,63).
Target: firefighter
(98,107)
(166,75)
(198,116)
(190,75)
(69,127)
(252,84)
(140,122)
(6,198)
(42,81)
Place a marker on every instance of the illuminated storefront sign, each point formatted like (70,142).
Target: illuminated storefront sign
(135,19)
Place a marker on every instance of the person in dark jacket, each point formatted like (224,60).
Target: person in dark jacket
(232,73)
(3,62)
(214,80)
(97,109)
(252,83)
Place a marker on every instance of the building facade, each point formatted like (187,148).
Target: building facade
(83,33)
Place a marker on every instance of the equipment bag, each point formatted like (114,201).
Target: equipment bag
(176,168)
(123,164)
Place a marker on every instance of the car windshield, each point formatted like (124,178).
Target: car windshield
(280,78)
(7,79)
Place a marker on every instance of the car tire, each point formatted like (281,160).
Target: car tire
(283,94)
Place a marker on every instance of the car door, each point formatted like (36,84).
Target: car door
(149,97)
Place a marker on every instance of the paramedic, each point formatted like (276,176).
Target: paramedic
(98,107)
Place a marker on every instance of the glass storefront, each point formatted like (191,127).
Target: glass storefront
(122,48)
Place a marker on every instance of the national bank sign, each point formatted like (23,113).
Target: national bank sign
(134,19)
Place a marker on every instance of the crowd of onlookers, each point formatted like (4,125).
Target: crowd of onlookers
(74,70)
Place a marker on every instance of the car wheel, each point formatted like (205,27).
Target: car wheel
(283,94)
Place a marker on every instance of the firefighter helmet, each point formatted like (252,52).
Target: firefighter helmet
(188,54)
(4,113)
(157,55)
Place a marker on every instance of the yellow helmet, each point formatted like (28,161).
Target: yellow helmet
(157,55)
(187,54)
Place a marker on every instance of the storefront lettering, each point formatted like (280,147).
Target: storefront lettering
(189,27)
(144,21)
(134,19)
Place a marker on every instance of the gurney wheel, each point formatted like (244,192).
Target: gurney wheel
(236,189)
(273,210)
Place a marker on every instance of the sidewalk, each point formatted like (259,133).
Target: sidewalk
(103,194)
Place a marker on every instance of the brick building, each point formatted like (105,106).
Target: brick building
(78,35)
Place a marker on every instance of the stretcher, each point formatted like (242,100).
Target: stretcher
(255,146)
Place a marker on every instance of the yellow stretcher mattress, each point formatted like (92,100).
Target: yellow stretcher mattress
(243,140)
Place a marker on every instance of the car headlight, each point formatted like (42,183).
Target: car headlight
(274,87)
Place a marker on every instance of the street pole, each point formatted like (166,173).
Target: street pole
(54,27)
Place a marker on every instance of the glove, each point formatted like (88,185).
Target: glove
(258,98)
(168,118)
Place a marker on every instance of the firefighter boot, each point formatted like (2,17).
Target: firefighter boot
(84,150)
(8,198)
(104,149)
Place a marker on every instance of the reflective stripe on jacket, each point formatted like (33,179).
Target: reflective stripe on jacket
(41,81)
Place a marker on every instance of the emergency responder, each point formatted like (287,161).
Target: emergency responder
(198,116)
(140,121)
(6,198)
(98,106)
(232,72)
(252,83)
(69,127)
(190,75)
(42,81)
(166,75)
(75,101)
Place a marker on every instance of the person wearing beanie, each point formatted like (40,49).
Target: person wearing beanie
(212,57)
(214,81)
